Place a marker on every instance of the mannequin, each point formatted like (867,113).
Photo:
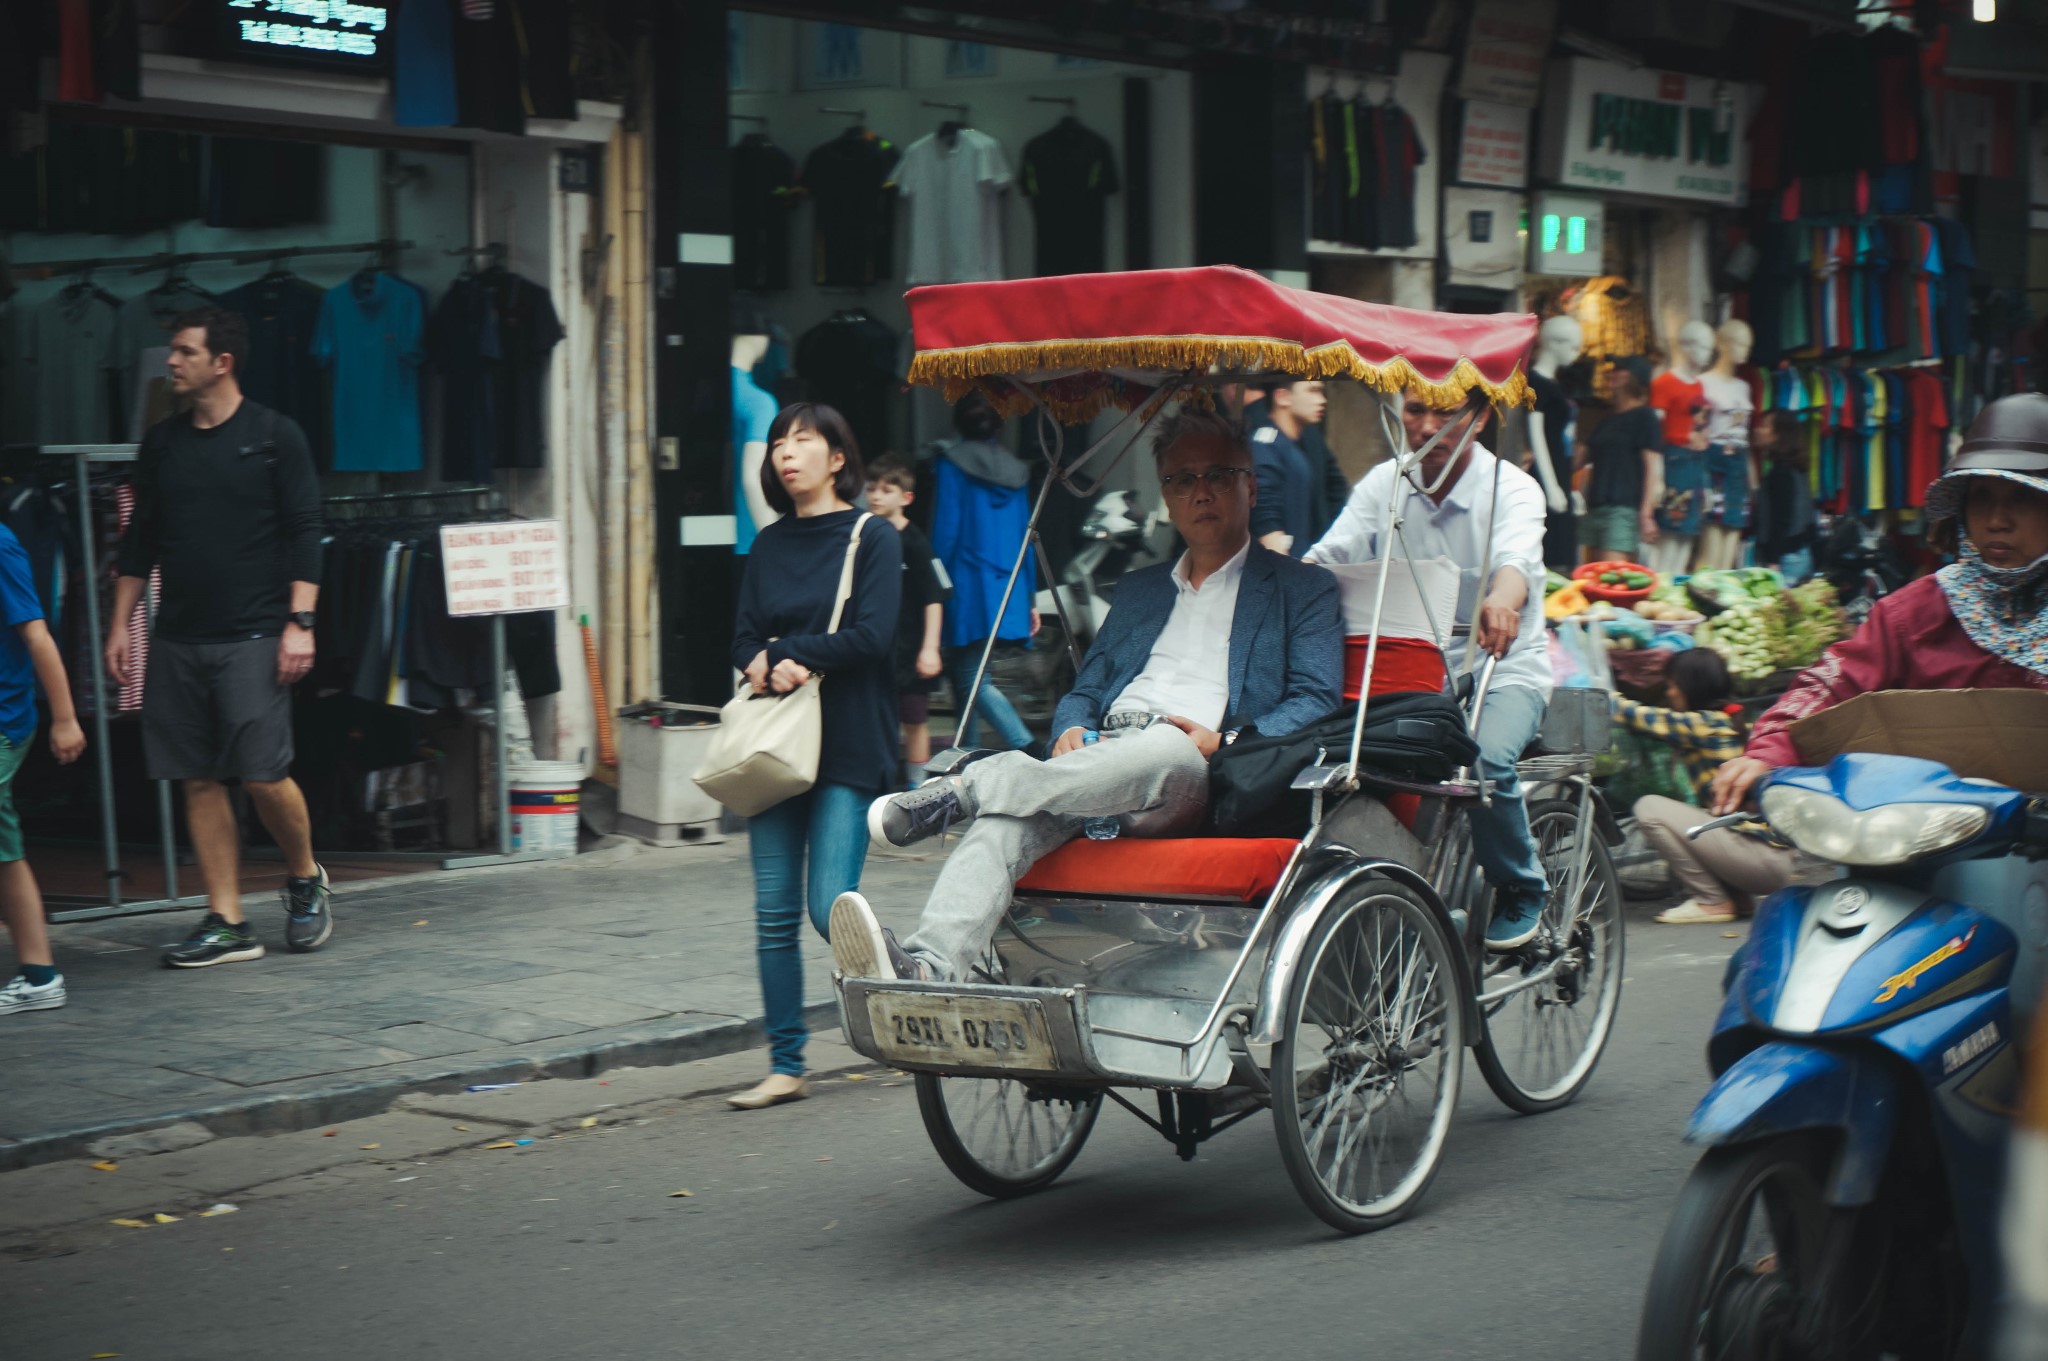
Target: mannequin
(1731,467)
(1552,431)
(1681,399)
(753,411)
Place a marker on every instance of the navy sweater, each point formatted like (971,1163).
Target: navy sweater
(787,594)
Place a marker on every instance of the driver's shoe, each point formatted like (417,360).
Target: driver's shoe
(1515,923)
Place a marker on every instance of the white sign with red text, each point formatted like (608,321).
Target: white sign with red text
(1493,145)
(509,567)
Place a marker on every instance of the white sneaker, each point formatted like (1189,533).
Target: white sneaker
(858,949)
(1690,913)
(22,995)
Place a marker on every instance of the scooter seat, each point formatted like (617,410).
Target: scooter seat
(1242,869)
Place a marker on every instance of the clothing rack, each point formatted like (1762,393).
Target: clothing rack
(501,774)
(143,264)
(84,457)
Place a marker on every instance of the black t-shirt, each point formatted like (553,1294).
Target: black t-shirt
(849,361)
(924,584)
(763,194)
(231,515)
(527,330)
(1616,450)
(1069,172)
(280,371)
(848,180)
(1388,154)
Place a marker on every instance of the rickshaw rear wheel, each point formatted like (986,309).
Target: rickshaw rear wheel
(1537,1048)
(1003,1137)
(1366,1073)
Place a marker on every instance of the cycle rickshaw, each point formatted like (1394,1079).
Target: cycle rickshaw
(1336,978)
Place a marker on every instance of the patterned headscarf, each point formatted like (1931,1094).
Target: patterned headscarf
(2004,610)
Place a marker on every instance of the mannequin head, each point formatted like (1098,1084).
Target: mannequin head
(1695,349)
(1733,344)
(1559,343)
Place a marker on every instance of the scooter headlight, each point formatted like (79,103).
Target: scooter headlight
(1824,826)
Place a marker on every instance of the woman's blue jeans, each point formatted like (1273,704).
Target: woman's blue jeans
(994,705)
(830,823)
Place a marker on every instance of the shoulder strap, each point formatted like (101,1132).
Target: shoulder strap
(846,571)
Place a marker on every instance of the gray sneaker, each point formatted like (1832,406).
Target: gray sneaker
(309,915)
(22,995)
(908,818)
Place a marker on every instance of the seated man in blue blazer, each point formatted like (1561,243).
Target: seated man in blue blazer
(1231,636)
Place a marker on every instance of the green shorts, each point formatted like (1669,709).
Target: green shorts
(10,821)
(1609,527)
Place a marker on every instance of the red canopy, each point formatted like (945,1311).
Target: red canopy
(1090,341)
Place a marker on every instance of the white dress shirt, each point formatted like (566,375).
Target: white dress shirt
(1188,673)
(1457,529)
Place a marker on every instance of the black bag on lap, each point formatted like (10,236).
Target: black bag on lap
(1417,736)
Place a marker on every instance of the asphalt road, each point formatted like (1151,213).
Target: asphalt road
(829,1229)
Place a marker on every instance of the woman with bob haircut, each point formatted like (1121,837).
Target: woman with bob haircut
(782,636)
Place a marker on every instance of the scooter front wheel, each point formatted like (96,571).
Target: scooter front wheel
(1740,1257)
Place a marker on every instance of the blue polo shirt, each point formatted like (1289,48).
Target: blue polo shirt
(18,605)
(369,333)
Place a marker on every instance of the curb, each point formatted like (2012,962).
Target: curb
(312,1102)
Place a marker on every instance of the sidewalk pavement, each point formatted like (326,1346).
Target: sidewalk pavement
(626,956)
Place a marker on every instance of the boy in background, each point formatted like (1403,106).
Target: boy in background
(891,490)
(28,655)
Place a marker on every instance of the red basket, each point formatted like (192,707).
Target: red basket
(1587,577)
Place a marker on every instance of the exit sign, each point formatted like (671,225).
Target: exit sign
(1566,234)
(334,34)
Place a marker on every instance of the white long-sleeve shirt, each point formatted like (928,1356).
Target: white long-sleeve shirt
(1457,529)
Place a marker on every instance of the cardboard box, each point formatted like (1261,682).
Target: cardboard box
(1999,735)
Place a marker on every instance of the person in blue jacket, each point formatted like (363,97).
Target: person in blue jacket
(982,510)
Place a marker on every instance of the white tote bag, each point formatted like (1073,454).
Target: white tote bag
(766,747)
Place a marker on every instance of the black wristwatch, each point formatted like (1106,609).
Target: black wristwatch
(305,619)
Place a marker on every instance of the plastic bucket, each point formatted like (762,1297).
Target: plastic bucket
(547,806)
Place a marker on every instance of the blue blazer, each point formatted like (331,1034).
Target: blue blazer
(1286,646)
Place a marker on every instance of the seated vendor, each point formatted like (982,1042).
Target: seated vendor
(1232,636)
(1487,517)
(1979,623)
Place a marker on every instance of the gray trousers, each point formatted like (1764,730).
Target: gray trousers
(1152,780)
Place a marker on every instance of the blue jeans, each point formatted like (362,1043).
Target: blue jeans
(1500,834)
(830,822)
(994,705)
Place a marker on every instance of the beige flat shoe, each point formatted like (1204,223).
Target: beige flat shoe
(775,1089)
(1690,913)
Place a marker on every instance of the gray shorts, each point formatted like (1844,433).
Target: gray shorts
(214,711)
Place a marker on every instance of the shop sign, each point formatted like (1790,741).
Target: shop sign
(1504,50)
(1493,145)
(1567,235)
(330,33)
(1655,133)
(506,567)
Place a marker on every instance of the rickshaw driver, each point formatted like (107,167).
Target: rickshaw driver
(1231,636)
(1452,523)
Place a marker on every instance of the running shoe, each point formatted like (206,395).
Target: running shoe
(216,941)
(309,912)
(22,995)
(1515,922)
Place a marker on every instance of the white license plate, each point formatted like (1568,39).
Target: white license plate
(971,1032)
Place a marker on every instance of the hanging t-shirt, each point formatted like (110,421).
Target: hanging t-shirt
(1068,173)
(462,345)
(488,91)
(279,370)
(956,207)
(369,333)
(1682,403)
(753,412)
(1926,432)
(70,342)
(1332,166)
(1394,150)
(849,361)
(854,215)
(528,331)
(763,195)
(423,65)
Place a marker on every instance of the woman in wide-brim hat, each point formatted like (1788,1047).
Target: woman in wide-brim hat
(1979,623)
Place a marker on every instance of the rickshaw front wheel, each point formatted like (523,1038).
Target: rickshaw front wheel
(1366,1072)
(1002,1137)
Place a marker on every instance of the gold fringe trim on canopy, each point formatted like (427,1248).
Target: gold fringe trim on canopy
(957,370)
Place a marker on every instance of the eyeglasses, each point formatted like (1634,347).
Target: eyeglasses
(1219,481)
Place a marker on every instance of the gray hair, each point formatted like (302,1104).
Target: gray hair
(1190,421)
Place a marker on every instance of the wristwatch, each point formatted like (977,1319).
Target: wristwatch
(305,619)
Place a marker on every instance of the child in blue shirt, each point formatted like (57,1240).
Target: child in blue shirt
(28,656)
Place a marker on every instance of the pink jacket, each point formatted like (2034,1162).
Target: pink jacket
(1910,642)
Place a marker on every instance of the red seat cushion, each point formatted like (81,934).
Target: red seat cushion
(1243,868)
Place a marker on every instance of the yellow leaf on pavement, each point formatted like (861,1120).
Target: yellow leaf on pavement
(503,1144)
(673,1194)
(368,1147)
(108,1165)
(588,1121)
(162,1218)
(132,1223)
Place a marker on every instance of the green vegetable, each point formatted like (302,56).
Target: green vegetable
(1636,580)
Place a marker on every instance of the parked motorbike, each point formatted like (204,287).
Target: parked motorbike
(1865,1074)
(1114,539)
(1861,566)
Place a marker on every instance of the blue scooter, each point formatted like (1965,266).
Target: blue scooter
(1866,1076)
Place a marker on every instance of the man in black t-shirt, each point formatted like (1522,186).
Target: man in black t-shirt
(227,511)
